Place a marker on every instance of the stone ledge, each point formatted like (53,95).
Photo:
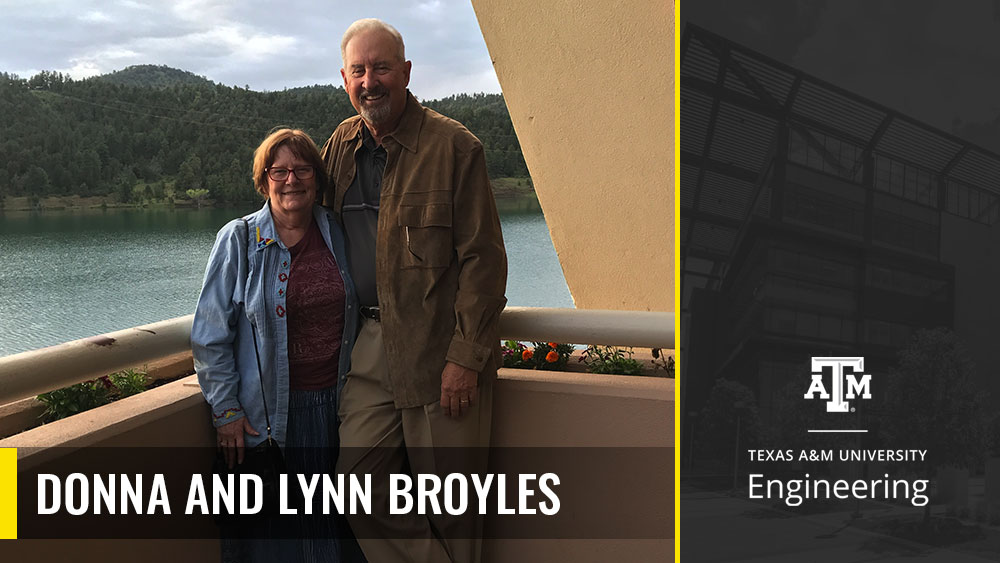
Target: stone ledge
(531,408)
(640,387)
(25,414)
(115,424)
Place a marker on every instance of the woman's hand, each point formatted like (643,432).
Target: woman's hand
(230,439)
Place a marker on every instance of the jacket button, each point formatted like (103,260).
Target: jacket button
(280,311)
(282,277)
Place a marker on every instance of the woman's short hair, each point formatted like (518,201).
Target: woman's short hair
(301,145)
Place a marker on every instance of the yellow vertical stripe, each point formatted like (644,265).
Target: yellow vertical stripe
(677,281)
(8,493)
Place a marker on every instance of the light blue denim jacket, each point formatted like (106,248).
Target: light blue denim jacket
(221,340)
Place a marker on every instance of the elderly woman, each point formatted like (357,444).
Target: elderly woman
(277,290)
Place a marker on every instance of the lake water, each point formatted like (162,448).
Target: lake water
(66,275)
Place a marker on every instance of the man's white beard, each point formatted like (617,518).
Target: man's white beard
(375,114)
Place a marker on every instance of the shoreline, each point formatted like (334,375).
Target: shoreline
(507,191)
(23,204)
(503,189)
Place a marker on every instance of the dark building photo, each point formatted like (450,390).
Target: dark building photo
(816,222)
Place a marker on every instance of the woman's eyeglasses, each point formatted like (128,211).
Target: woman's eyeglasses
(281,174)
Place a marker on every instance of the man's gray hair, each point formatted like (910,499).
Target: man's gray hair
(370,24)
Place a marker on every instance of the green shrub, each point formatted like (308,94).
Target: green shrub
(128,382)
(74,399)
(90,394)
(611,359)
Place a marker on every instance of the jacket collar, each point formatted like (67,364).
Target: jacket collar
(261,223)
(262,233)
(407,133)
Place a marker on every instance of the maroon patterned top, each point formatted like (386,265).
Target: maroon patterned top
(315,314)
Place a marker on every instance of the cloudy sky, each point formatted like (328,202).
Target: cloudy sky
(936,61)
(266,45)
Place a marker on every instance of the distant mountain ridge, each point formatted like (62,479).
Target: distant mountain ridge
(154,76)
(147,133)
(162,76)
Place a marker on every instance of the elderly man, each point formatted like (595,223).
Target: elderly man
(427,256)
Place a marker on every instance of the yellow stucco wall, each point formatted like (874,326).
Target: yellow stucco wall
(590,89)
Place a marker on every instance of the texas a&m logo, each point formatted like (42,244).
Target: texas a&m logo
(843,385)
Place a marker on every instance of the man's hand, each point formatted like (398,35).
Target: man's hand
(230,439)
(459,389)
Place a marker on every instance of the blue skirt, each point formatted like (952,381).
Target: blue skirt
(311,446)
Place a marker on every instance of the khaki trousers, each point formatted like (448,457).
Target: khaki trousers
(377,438)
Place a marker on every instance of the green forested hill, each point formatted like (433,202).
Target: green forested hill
(151,133)
(153,76)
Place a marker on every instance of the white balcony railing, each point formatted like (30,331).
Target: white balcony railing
(37,371)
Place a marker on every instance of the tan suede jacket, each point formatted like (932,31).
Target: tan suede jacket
(440,263)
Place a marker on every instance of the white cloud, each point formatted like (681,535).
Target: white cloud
(254,42)
(246,45)
(84,69)
(205,12)
(95,17)
(101,62)
(428,10)
(131,4)
(430,82)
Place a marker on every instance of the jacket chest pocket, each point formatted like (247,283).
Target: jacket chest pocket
(425,233)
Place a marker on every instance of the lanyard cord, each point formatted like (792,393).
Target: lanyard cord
(243,271)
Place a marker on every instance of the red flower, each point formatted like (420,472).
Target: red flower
(552,357)
(552,345)
(527,354)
